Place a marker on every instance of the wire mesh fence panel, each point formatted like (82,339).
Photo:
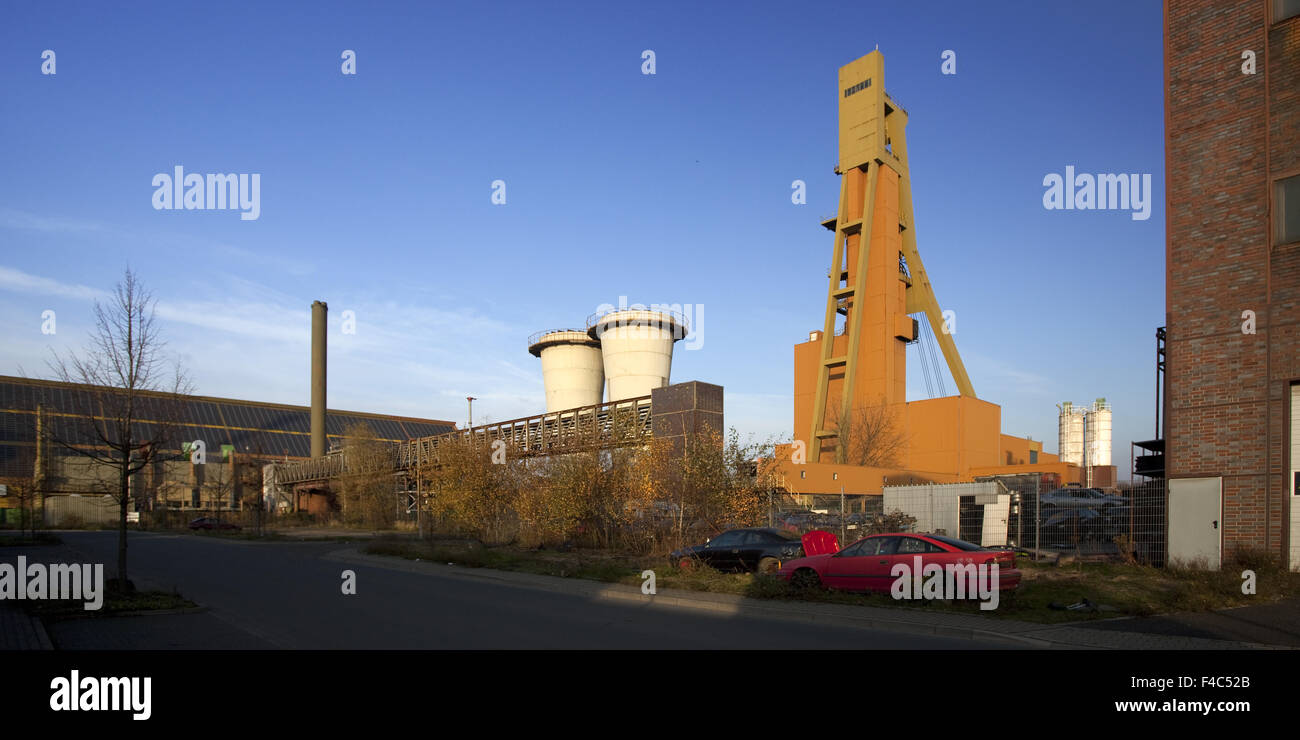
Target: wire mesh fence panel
(1049,519)
(1093,523)
(1149,522)
(849,516)
(1033,513)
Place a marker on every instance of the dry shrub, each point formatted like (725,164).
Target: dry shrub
(366,491)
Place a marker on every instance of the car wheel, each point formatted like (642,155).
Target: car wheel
(768,565)
(805,578)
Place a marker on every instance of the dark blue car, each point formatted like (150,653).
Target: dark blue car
(760,550)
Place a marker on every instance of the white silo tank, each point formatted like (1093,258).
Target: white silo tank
(1098,433)
(637,346)
(1070,434)
(573,370)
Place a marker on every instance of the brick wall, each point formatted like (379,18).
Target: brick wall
(1226,390)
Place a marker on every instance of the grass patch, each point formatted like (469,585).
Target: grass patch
(1121,589)
(1138,590)
(115,604)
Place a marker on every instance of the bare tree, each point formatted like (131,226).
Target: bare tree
(869,435)
(132,399)
(28,496)
(219,485)
(252,481)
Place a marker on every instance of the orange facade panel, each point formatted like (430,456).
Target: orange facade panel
(954,433)
(851,479)
(1069,472)
(1017,451)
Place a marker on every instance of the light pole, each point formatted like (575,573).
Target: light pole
(471,400)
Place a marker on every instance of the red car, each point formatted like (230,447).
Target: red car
(868,564)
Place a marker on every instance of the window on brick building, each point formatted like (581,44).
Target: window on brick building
(1286,209)
(1283,9)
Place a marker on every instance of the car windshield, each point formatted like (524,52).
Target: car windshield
(959,544)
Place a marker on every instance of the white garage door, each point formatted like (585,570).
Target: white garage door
(1294,480)
(1196,522)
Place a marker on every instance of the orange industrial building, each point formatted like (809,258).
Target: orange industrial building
(852,373)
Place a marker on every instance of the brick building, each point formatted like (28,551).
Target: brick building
(1232,165)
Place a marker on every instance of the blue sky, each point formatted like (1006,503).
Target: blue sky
(666,188)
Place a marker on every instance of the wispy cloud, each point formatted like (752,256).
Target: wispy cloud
(167,240)
(21,282)
(24,221)
(1004,375)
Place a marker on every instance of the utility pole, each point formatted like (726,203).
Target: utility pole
(843,528)
(471,400)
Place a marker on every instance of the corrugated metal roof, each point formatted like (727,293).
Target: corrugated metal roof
(269,429)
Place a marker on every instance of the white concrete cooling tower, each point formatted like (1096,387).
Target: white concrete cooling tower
(573,370)
(638,349)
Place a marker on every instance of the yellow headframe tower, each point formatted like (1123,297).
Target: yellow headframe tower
(876,276)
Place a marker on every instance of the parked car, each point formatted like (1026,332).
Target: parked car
(750,549)
(208,522)
(866,565)
(1086,498)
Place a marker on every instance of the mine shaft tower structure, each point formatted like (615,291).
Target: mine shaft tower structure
(876,278)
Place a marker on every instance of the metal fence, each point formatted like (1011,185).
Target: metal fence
(847,515)
(1032,513)
(1048,520)
(74,510)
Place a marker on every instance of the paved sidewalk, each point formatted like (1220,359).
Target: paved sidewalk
(197,630)
(19,631)
(1274,623)
(1004,632)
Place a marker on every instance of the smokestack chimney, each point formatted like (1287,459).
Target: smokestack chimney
(318,326)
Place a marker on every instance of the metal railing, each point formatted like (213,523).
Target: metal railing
(536,337)
(600,426)
(653,316)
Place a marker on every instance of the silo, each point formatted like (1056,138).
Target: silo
(573,370)
(637,346)
(1098,433)
(1070,433)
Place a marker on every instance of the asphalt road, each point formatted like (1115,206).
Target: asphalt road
(286,595)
